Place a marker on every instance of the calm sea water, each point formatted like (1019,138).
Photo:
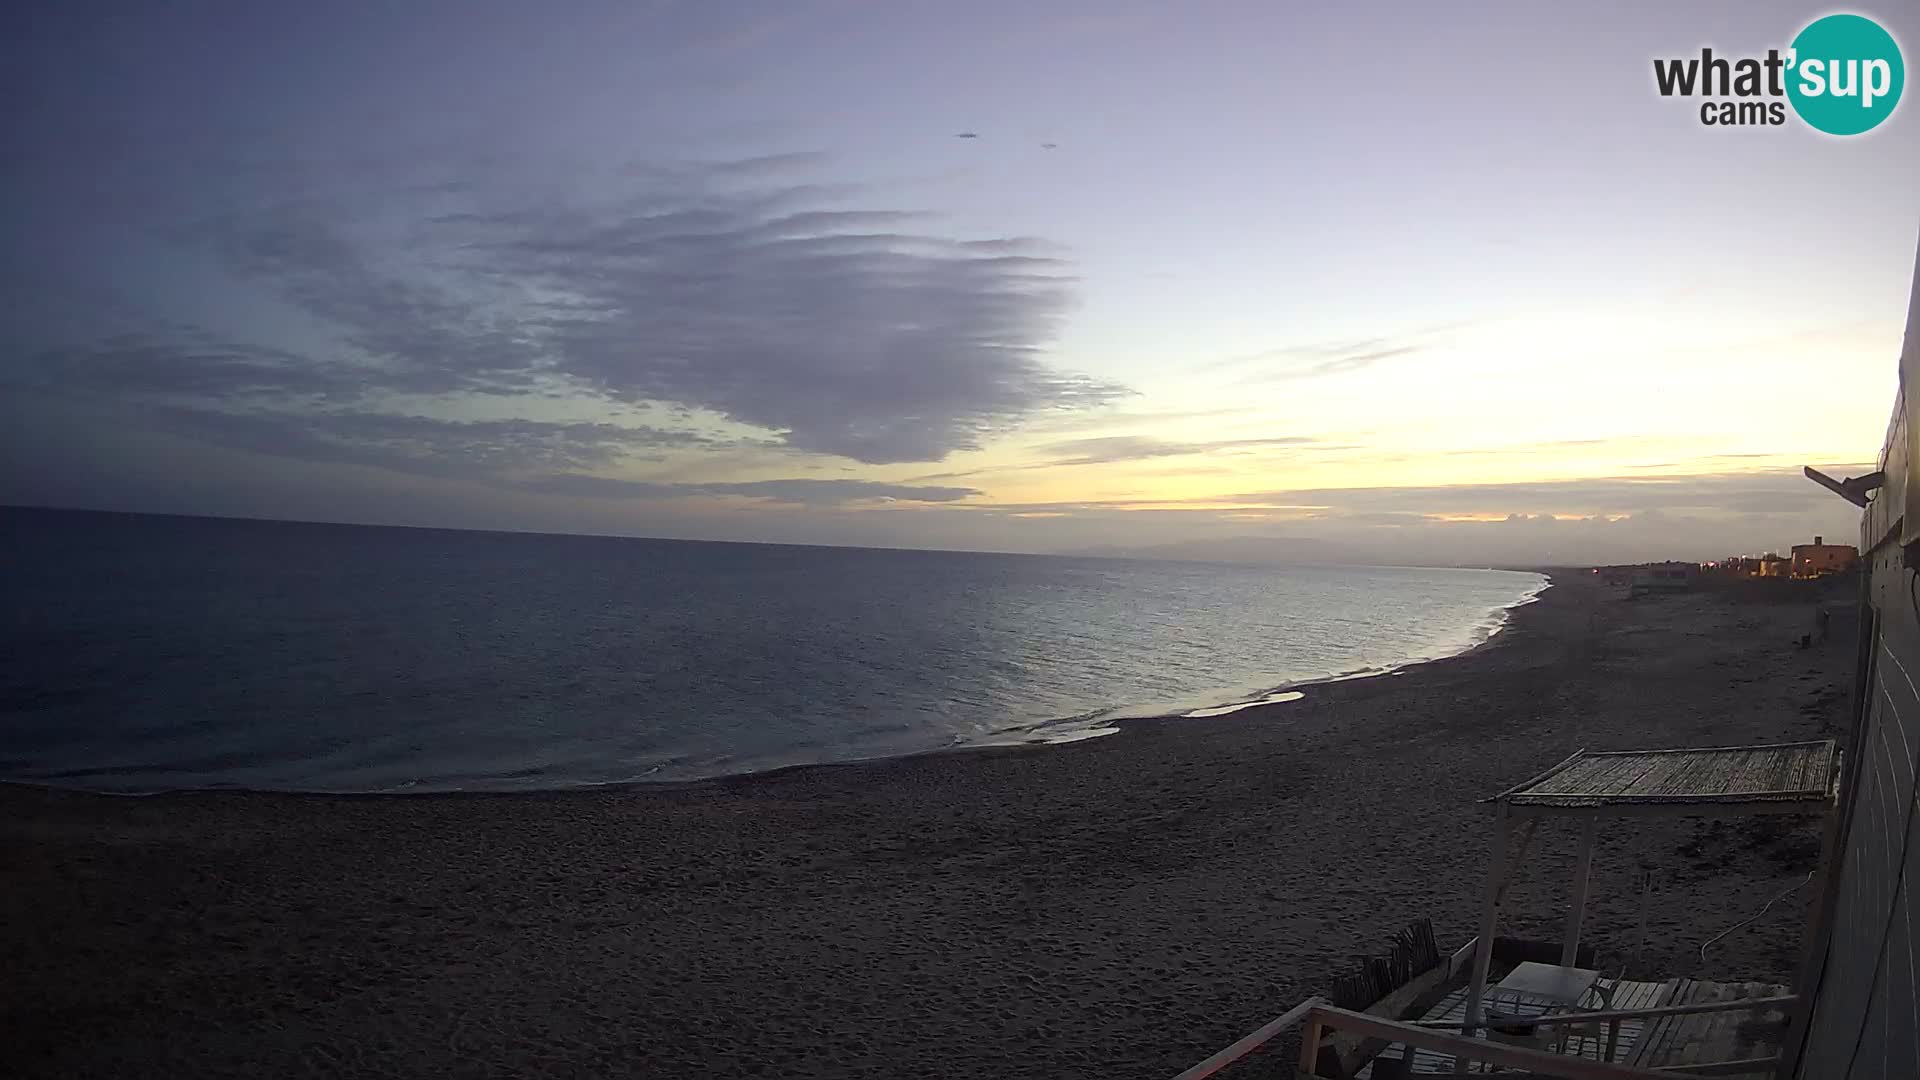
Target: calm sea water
(148,653)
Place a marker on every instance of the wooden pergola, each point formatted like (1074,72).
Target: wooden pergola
(1723,781)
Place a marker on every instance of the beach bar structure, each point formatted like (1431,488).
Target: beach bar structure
(1559,1019)
(1728,781)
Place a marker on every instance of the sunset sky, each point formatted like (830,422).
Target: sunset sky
(1402,282)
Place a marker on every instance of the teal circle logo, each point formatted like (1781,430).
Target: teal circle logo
(1844,74)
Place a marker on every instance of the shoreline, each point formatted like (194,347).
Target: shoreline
(1119,906)
(1081,730)
(1120,724)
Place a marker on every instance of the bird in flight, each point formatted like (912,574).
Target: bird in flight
(1049,145)
(966,135)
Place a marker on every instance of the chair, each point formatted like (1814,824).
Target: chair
(1511,1019)
(1605,1034)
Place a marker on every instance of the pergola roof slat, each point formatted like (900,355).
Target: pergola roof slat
(1722,777)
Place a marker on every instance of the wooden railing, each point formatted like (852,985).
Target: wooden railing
(1253,1040)
(1321,1019)
(1563,1019)
(1272,1029)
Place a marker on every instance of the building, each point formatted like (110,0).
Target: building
(1769,565)
(1665,577)
(1820,559)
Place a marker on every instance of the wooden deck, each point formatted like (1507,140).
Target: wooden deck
(1721,1036)
(1672,1040)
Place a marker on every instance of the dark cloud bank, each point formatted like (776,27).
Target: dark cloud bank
(728,298)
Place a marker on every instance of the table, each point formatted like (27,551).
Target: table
(1562,985)
(1534,990)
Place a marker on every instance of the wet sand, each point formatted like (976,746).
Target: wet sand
(1119,907)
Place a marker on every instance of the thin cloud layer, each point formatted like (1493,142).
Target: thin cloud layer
(1116,448)
(1781,492)
(1353,360)
(1323,358)
(485,450)
(793,492)
(1770,492)
(187,364)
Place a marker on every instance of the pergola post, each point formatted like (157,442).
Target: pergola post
(1489,919)
(1577,911)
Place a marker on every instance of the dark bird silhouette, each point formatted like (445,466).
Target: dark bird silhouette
(1049,146)
(966,135)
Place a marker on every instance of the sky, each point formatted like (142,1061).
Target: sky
(1408,282)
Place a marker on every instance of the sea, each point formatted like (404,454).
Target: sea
(143,653)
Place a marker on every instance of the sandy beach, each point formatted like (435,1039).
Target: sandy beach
(1118,907)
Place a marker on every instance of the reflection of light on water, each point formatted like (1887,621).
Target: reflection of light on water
(1222,710)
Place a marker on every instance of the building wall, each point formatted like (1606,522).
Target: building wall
(1811,559)
(1863,965)
(1865,1019)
